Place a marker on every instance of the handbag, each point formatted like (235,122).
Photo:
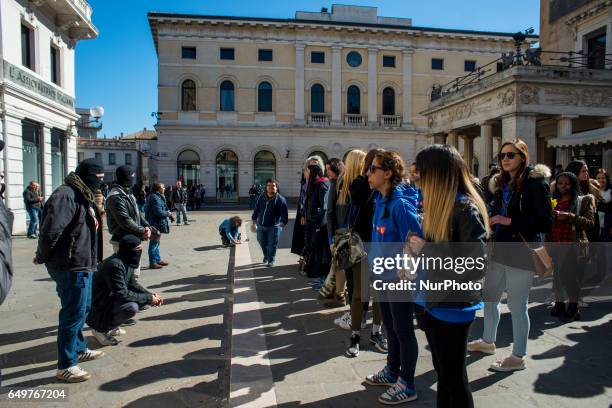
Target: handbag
(542,262)
(349,249)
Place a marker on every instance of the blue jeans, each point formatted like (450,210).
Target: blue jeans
(34,217)
(268,240)
(517,282)
(154,256)
(74,291)
(180,209)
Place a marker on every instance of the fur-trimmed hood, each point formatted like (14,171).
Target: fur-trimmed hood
(535,172)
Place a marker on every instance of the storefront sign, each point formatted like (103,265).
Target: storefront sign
(21,77)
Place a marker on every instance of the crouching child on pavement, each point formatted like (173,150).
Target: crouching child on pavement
(230,231)
(116,296)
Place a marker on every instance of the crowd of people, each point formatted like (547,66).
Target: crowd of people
(371,199)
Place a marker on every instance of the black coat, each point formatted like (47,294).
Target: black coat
(31,198)
(531,213)
(6,259)
(114,281)
(318,254)
(69,239)
(363,207)
(123,216)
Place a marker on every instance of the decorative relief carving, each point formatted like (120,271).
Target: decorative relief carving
(528,94)
(600,98)
(561,96)
(505,98)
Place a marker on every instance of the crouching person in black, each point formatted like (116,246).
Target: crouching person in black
(116,296)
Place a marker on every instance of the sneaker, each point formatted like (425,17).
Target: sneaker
(117,332)
(558,309)
(511,363)
(32,236)
(73,374)
(344,322)
(353,350)
(379,342)
(364,323)
(398,394)
(481,346)
(265,261)
(270,264)
(105,339)
(186,223)
(384,377)
(163,263)
(89,355)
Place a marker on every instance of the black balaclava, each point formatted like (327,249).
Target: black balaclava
(128,252)
(125,176)
(88,170)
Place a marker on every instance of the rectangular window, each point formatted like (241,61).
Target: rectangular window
(31,133)
(98,157)
(265,55)
(226,54)
(55,65)
(469,66)
(80,156)
(188,52)
(317,57)
(437,63)
(128,159)
(389,61)
(111,158)
(499,66)
(27,49)
(58,158)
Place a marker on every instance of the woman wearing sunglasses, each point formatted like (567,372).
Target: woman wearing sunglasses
(394,219)
(521,212)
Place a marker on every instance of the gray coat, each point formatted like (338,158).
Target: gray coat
(122,215)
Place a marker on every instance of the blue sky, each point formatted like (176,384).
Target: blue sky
(118,70)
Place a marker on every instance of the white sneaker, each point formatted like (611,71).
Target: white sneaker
(345,316)
(73,374)
(117,332)
(364,324)
(345,321)
(105,339)
(89,355)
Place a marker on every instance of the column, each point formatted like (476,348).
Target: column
(609,38)
(468,151)
(486,148)
(564,129)
(407,89)
(299,83)
(453,139)
(372,86)
(47,177)
(337,85)
(521,126)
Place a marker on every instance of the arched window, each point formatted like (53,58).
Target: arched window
(388,101)
(227,96)
(353,100)
(317,99)
(265,167)
(264,97)
(188,167)
(188,95)
(227,176)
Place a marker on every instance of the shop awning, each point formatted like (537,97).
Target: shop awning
(595,136)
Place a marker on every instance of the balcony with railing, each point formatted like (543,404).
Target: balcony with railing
(354,119)
(319,119)
(389,120)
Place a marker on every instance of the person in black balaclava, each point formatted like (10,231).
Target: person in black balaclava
(117,297)
(70,246)
(6,260)
(122,213)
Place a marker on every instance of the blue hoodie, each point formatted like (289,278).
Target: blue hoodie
(395,216)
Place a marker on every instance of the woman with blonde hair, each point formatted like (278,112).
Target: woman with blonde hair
(454,212)
(521,212)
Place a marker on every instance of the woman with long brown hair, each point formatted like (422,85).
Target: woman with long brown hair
(454,212)
(521,213)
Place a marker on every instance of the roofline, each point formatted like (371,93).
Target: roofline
(153,15)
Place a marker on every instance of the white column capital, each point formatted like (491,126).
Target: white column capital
(570,117)
(336,48)
(408,51)
(373,50)
(300,46)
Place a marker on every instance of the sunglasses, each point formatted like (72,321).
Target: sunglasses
(373,168)
(509,155)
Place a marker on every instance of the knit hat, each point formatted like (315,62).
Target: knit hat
(89,167)
(124,176)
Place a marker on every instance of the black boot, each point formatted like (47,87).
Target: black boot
(558,310)
(572,313)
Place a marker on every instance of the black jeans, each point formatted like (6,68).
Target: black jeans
(403,352)
(123,312)
(448,343)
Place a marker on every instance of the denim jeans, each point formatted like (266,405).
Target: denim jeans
(268,240)
(123,312)
(154,256)
(180,209)
(517,282)
(74,291)
(403,352)
(34,217)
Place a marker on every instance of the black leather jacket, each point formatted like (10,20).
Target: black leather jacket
(123,216)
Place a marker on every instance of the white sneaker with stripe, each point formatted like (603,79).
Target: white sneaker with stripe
(73,374)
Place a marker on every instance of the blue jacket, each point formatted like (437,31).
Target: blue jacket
(395,216)
(156,212)
(270,211)
(231,234)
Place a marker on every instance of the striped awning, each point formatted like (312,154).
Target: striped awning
(595,136)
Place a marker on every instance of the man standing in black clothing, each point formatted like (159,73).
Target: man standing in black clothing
(33,199)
